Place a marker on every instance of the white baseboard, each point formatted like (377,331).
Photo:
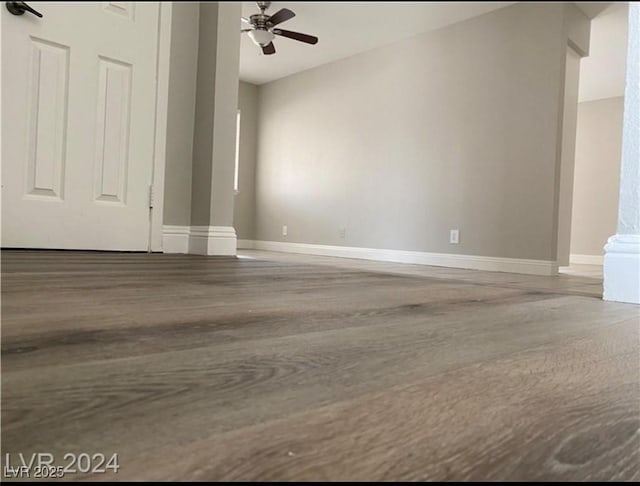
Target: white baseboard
(212,240)
(175,239)
(586,259)
(246,244)
(622,269)
(199,240)
(494,264)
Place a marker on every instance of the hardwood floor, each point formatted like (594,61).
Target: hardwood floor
(291,367)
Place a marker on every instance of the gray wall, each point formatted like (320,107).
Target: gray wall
(597,175)
(457,128)
(567,157)
(204,115)
(223,154)
(214,138)
(203,84)
(181,111)
(245,202)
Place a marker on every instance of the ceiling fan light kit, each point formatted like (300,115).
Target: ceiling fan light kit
(261,37)
(262,29)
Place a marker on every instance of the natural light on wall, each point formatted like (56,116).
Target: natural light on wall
(237,167)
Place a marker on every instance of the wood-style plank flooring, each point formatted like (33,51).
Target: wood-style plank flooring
(291,367)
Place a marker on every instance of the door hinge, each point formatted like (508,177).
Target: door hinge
(151,195)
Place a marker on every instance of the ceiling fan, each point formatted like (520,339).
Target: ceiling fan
(263,31)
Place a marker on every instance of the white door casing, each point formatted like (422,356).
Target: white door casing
(78,107)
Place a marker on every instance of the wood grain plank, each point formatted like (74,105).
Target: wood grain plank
(554,413)
(148,354)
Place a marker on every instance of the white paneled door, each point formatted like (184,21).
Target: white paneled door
(78,111)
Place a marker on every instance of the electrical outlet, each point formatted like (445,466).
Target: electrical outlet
(454,236)
(342,232)
(284,230)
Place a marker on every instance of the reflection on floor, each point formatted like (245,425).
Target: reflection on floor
(582,281)
(581,270)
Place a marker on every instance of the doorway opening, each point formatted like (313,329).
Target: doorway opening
(593,211)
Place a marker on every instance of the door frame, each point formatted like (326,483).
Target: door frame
(160,132)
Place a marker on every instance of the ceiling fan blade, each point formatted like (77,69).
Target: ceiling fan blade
(246,30)
(269,49)
(280,16)
(245,19)
(309,39)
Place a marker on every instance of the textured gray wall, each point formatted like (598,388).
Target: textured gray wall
(181,112)
(456,128)
(597,175)
(245,202)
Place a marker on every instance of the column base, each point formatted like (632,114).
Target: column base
(622,269)
(212,240)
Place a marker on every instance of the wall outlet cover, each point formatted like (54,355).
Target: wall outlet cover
(284,230)
(454,236)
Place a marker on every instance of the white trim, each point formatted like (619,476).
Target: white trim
(586,259)
(493,264)
(160,138)
(622,269)
(212,240)
(246,244)
(199,240)
(175,239)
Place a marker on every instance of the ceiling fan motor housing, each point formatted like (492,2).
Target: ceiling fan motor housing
(259,21)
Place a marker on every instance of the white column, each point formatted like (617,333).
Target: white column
(622,251)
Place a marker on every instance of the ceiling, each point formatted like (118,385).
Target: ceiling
(592,9)
(602,74)
(345,29)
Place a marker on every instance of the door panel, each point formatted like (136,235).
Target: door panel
(112,133)
(78,107)
(47,118)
